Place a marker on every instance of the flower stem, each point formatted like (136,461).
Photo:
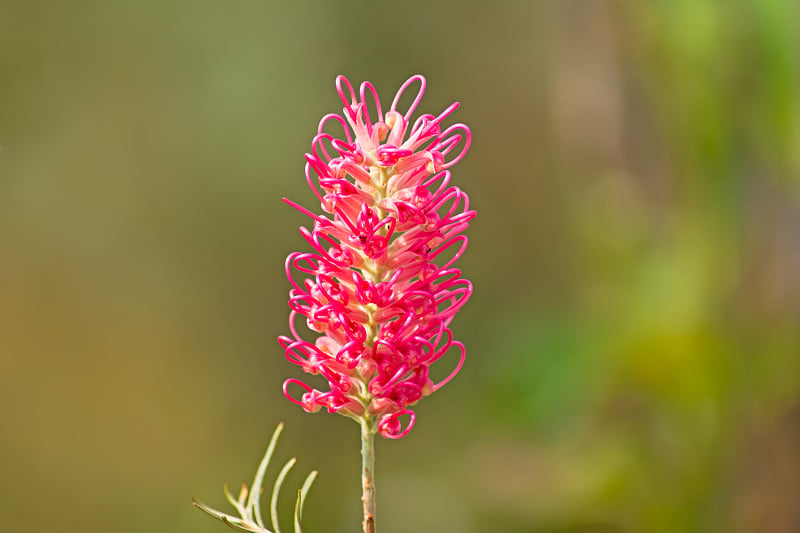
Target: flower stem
(368,472)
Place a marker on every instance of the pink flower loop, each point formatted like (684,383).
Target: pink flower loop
(289,396)
(344,149)
(406,393)
(337,118)
(381,384)
(448,140)
(422,129)
(348,103)
(444,114)
(319,153)
(457,369)
(310,182)
(390,427)
(447,245)
(389,155)
(443,177)
(351,354)
(417,99)
(296,356)
(367,86)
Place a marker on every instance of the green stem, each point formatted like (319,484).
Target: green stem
(368,473)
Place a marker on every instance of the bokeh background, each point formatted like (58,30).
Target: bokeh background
(634,337)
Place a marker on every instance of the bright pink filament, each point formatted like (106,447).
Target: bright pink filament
(379,286)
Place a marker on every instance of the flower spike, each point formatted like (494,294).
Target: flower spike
(379,287)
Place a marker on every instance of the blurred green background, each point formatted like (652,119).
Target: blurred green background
(634,337)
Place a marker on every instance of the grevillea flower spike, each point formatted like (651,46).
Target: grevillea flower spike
(379,286)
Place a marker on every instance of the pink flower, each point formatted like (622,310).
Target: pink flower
(379,286)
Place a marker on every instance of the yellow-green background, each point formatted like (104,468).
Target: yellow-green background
(633,341)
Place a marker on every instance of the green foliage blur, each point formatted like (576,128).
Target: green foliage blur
(634,338)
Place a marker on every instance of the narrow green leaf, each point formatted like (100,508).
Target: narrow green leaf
(237,503)
(301,500)
(228,520)
(273,506)
(240,525)
(306,487)
(254,501)
(229,496)
(297,506)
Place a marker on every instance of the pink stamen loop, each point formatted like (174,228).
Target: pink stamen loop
(417,99)
(390,427)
